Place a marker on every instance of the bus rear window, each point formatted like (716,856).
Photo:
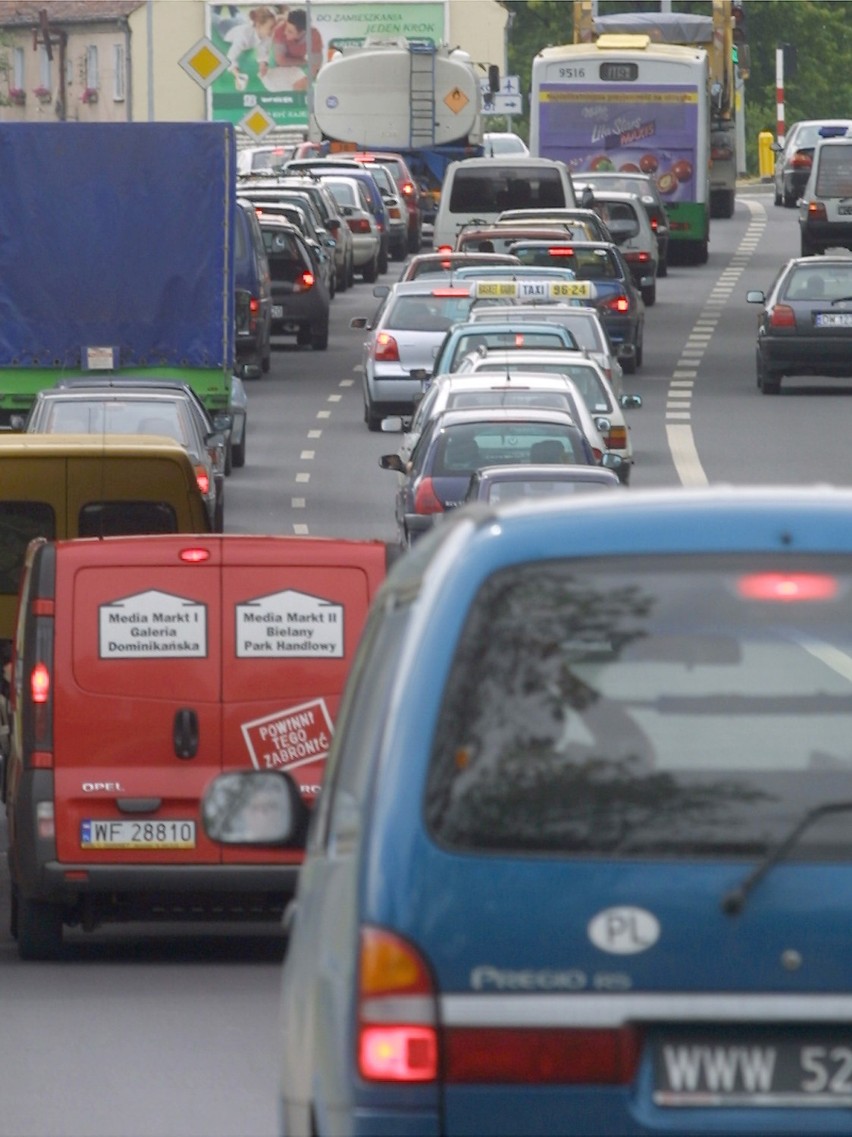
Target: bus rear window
(20,522)
(126,518)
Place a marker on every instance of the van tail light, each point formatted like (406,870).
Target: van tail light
(254,312)
(203,479)
(397,1016)
(38,686)
(304,282)
(619,304)
(637,258)
(408,189)
(358,224)
(386,349)
(816,211)
(655,223)
(40,683)
(801,161)
(616,438)
(541,1055)
(425,498)
(45,820)
(782,316)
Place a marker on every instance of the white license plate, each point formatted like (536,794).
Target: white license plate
(105,834)
(844,210)
(833,319)
(277,312)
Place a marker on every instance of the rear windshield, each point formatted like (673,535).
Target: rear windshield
(20,522)
(834,176)
(514,340)
(126,518)
(491,189)
(587,264)
(78,416)
(554,400)
(463,449)
(586,379)
(819,281)
(661,706)
(427,313)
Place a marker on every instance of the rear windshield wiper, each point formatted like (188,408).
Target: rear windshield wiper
(841,299)
(734,900)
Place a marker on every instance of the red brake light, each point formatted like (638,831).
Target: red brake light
(397,1036)
(407,188)
(618,304)
(40,683)
(194,556)
(444,249)
(444,292)
(787,587)
(617,438)
(782,316)
(559,251)
(637,258)
(541,1055)
(425,498)
(305,281)
(654,224)
(386,349)
(801,161)
(203,479)
(254,305)
(358,224)
(816,211)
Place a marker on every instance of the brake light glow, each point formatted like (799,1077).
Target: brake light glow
(194,556)
(397,1033)
(560,251)
(386,349)
(816,211)
(540,1055)
(782,316)
(801,161)
(305,281)
(408,189)
(786,587)
(444,292)
(358,224)
(655,224)
(203,479)
(618,304)
(637,258)
(444,249)
(425,498)
(40,683)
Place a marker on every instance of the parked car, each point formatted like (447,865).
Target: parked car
(617,299)
(408,187)
(119,409)
(825,208)
(595,388)
(794,159)
(805,323)
(300,297)
(354,205)
(253,299)
(504,485)
(404,336)
(649,194)
(591,876)
(627,220)
(456,443)
(447,264)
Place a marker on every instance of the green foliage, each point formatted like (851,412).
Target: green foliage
(820,30)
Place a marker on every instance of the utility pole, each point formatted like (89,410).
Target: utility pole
(49,40)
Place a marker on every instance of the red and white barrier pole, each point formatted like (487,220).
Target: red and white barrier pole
(779,94)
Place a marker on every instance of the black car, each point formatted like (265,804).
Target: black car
(300,298)
(805,327)
(615,296)
(456,443)
(253,302)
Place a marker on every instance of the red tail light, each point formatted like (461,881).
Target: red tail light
(598,454)
(386,349)
(541,1055)
(40,683)
(782,316)
(637,258)
(397,1034)
(444,249)
(305,281)
(408,189)
(616,439)
(787,586)
(801,161)
(425,498)
(194,555)
(655,224)
(203,479)
(558,251)
(358,224)
(816,211)
(618,304)
(38,716)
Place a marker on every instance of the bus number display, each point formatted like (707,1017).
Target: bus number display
(572,73)
(619,72)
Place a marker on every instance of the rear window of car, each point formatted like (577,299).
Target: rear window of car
(510,339)
(462,449)
(828,282)
(586,379)
(493,188)
(427,313)
(649,706)
(587,264)
(834,173)
(20,523)
(118,416)
(554,400)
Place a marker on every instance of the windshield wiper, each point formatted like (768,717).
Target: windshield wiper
(841,299)
(734,900)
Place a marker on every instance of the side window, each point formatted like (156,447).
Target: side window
(126,518)
(360,721)
(20,522)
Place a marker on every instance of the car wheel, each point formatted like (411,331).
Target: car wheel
(702,253)
(415,240)
(319,340)
(238,451)
(789,200)
(350,273)
(219,514)
(370,271)
(383,262)
(778,198)
(649,294)
(623,473)
(400,250)
(663,268)
(39,929)
(303,335)
(628,366)
(640,349)
(372,419)
(768,381)
(229,460)
(332,287)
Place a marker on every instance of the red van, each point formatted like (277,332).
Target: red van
(143,667)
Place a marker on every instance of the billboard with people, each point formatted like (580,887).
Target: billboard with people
(274,50)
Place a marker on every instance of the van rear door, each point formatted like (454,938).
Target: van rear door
(137,694)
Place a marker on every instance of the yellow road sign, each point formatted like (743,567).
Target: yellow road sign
(204,62)
(257,123)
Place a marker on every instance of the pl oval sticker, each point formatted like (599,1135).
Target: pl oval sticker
(624,931)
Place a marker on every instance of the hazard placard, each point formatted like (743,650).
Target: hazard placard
(456,100)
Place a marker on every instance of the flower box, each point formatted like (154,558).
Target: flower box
(90,95)
(42,94)
(17,96)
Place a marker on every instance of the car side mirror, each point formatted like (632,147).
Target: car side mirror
(630,402)
(223,422)
(359,322)
(255,807)
(380,290)
(392,462)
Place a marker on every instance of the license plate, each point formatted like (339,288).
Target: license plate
(844,210)
(170,834)
(755,1070)
(833,319)
(277,312)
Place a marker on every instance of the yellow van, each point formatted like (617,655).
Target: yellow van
(78,485)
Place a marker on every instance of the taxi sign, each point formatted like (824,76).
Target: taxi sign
(533,289)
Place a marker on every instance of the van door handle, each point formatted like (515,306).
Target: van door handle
(186,733)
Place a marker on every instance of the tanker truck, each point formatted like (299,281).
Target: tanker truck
(412,97)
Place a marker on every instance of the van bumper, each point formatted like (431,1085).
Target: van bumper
(216,884)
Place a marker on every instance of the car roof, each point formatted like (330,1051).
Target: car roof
(429,286)
(485,380)
(550,472)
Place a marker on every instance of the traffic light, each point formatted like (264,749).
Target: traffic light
(738,23)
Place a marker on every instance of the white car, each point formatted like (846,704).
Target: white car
(352,201)
(405,335)
(585,373)
(627,220)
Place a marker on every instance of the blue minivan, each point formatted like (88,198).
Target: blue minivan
(582,861)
